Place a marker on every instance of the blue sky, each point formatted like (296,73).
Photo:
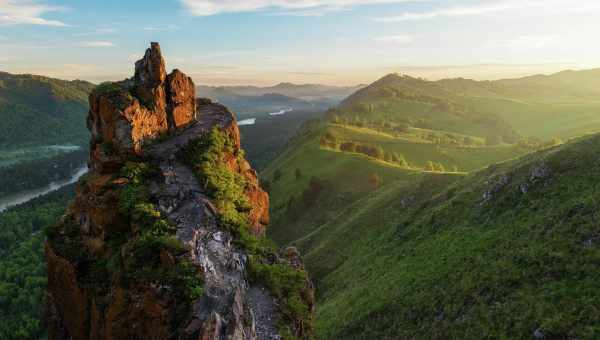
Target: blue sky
(305,41)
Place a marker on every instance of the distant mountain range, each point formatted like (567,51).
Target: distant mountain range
(250,100)
(309,92)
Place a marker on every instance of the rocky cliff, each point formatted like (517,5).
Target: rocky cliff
(165,239)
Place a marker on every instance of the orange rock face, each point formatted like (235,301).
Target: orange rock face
(125,115)
(258,198)
(181,103)
(72,306)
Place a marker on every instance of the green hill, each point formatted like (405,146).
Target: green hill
(310,183)
(503,253)
(416,223)
(561,105)
(405,101)
(36,111)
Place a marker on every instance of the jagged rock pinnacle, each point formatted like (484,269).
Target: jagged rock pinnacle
(148,249)
(150,70)
(125,115)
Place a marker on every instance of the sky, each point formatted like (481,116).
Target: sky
(335,42)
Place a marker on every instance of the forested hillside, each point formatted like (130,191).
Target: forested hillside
(37,110)
(22,264)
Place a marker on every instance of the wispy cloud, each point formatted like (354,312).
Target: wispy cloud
(530,41)
(285,7)
(489,7)
(97,44)
(451,12)
(300,73)
(98,31)
(158,29)
(26,12)
(395,39)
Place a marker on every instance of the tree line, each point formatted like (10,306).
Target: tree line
(374,151)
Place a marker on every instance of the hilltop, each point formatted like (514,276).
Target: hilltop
(508,109)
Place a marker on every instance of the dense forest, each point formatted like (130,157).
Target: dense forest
(42,111)
(38,173)
(22,265)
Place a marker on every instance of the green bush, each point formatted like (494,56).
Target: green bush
(156,236)
(285,284)
(206,156)
(226,188)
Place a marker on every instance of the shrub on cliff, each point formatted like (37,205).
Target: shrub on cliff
(206,156)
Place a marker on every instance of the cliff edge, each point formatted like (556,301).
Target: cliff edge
(165,239)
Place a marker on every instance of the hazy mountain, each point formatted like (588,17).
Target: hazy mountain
(310,92)
(254,105)
(425,104)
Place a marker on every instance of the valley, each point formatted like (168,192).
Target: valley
(407,193)
(406,221)
(299,170)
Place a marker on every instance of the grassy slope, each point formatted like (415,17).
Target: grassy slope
(418,152)
(543,120)
(423,256)
(430,260)
(558,105)
(424,104)
(563,105)
(346,176)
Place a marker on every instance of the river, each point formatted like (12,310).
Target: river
(249,121)
(26,196)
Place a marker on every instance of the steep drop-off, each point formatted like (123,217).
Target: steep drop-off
(165,237)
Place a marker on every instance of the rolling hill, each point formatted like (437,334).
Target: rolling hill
(507,252)
(416,222)
(405,101)
(311,182)
(561,105)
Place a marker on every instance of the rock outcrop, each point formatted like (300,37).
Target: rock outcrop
(148,249)
(126,114)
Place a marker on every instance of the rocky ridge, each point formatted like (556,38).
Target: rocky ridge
(143,253)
